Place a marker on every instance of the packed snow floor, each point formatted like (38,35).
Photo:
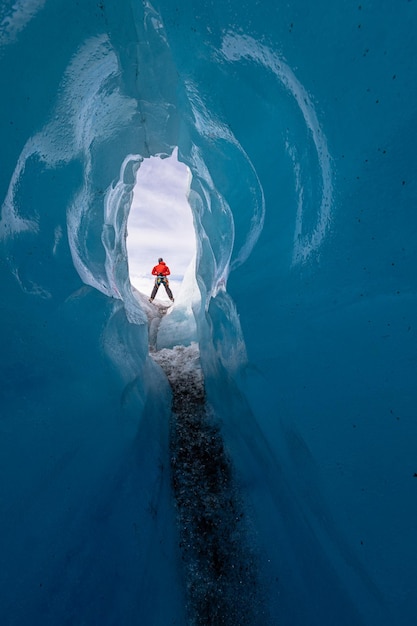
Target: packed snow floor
(220,567)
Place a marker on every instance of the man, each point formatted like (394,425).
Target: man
(161,271)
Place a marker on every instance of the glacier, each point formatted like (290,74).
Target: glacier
(298,124)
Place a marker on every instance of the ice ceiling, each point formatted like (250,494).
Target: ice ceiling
(298,124)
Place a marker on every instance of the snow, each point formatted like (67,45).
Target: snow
(181,362)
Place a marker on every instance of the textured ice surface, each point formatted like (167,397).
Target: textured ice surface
(218,551)
(298,124)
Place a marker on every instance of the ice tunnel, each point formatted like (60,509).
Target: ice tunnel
(298,124)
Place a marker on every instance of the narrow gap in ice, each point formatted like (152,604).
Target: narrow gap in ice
(219,563)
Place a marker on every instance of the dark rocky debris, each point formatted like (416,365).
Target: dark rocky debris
(220,566)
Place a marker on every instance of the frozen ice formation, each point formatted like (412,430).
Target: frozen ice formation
(298,125)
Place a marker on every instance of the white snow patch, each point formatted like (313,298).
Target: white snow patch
(181,363)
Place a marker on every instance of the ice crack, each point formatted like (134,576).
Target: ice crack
(220,566)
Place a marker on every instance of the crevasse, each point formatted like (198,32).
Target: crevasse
(298,125)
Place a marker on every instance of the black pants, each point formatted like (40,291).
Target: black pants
(164,281)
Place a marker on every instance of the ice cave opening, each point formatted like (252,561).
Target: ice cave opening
(160,223)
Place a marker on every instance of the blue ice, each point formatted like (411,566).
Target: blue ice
(298,125)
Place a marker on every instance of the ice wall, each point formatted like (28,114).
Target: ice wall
(87,525)
(298,124)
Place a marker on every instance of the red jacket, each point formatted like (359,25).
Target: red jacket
(161,268)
